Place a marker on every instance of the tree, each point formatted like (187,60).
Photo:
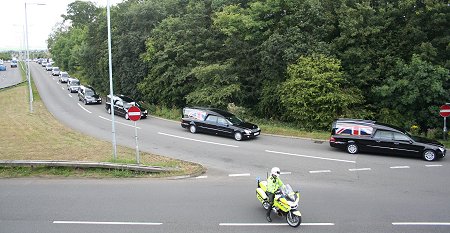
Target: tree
(81,13)
(315,93)
(416,90)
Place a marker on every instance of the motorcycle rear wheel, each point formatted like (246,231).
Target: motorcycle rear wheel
(293,220)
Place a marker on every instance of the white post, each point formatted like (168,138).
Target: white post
(445,128)
(137,147)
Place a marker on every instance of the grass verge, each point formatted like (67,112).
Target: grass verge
(39,136)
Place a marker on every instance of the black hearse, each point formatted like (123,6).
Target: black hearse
(218,122)
(121,105)
(371,136)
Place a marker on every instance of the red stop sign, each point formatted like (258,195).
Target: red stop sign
(445,111)
(134,113)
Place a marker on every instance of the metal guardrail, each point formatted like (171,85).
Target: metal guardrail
(84,164)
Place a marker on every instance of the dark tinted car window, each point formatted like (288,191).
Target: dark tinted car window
(211,119)
(222,121)
(90,92)
(400,137)
(382,134)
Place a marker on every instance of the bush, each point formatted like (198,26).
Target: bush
(434,133)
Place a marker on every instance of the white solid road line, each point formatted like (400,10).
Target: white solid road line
(195,140)
(274,224)
(312,157)
(84,108)
(104,118)
(108,223)
(360,169)
(201,177)
(243,174)
(421,223)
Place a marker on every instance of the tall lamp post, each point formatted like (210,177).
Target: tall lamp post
(27,58)
(114,144)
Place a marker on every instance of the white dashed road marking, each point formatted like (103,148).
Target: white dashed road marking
(320,171)
(243,174)
(108,223)
(201,177)
(272,224)
(84,108)
(191,139)
(421,223)
(104,118)
(360,169)
(436,165)
(312,157)
(399,167)
(70,95)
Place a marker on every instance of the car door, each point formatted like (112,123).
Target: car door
(405,146)
(118,108)
(382,142)
(223,127)
(210,124)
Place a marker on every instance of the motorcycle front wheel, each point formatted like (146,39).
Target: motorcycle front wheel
(266,205)
(293,220)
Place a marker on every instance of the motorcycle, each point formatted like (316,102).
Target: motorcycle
(285,202)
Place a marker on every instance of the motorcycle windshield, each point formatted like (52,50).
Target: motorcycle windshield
(288,192)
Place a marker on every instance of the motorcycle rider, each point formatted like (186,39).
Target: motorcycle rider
(274,183)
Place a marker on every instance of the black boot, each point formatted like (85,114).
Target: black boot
(268,218)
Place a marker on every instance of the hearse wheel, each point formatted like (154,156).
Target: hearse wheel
(352,148)
(429,155)
(193,129)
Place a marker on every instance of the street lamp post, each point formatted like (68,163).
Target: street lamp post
(114,144)
(27,58)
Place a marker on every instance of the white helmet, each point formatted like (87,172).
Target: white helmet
(275,171)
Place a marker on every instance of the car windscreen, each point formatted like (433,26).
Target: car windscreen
(234,120)
(75,83)
(64,75)
(90,92)
(129,104)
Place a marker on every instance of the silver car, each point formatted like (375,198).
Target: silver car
(63,77)
(55,71)
(73,85)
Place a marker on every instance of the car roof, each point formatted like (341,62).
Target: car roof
(371,123)
(213,110)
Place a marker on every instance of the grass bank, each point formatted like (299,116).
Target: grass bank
(39,136)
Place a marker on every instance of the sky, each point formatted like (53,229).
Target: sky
(41,21)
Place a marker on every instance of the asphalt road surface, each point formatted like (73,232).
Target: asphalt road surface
(339,192)
(10,77)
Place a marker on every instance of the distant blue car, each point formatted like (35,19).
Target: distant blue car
(2,67)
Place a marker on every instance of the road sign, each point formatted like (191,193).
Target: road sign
(445,111)
(134,113)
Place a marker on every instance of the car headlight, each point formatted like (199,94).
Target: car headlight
(145,112)
(246,131)
(441,149)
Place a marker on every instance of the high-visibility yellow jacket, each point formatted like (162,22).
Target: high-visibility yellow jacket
(273,184)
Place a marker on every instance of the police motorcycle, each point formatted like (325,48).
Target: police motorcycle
(285,202)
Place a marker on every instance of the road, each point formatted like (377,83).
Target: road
(9,77)
(340,192)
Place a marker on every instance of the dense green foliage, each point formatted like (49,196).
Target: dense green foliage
(299,61)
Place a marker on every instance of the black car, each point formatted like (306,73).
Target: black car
(121,105)
(88,95)
(371,136)
(218,122)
